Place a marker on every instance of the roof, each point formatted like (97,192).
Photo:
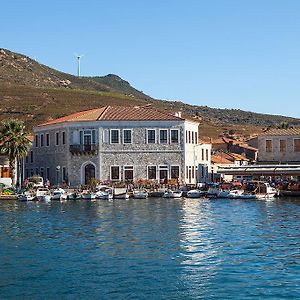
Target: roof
(117,113)
(289,131)
(220,159)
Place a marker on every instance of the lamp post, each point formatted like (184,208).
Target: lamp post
(57,174)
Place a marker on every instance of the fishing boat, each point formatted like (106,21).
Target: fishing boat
(75,195)
(262,190)
(59,195)
(43,194)
(104,193)
(241,194)
(26,196)
(140,194)
(88,195)
(172,194)
(156,194)
(121,193)
(195,193)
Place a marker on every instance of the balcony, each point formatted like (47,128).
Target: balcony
(85,149)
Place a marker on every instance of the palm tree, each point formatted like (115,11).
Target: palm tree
(14,144)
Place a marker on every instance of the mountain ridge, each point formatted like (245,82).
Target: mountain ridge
(36,93)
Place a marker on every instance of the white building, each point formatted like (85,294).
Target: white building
(118,144)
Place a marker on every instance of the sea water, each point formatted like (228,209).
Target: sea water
(150,249)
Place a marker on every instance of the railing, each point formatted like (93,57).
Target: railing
(84,149)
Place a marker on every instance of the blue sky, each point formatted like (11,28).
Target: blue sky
(220,53)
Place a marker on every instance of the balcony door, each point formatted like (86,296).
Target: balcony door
(87,142)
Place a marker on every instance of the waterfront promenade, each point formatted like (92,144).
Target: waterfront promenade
(150,249)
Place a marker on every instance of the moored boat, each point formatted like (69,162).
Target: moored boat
(195,193)
(104,193)
(172,194)
(43,194)
(140,194)
(26,196)
(59,195)
(88,195)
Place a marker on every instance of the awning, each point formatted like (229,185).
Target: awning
(260,170)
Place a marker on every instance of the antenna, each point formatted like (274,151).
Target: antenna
(78,63)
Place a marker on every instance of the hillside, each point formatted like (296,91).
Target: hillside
(34,93)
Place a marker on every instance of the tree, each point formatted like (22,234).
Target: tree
(283,125)
(14,144)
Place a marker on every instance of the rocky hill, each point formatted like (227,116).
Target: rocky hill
(34,93)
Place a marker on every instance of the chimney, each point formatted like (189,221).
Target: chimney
(178,114)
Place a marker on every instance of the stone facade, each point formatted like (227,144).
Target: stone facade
(279,146)
(67,151)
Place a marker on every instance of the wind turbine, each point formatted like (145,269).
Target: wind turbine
(78,63)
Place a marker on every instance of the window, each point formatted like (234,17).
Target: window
(174,136)
(163,174)
(282,145)
(87,137)
(196,137)
(163,136)
(186,136)
(114,136)
(128,172)
(47,140)
(192,137)
(42,172)
(296,145)
(193,171)
(151,172)
(63,137)
(151,136)
(202,154)
(47,173)
(37,171)
(189,137)
(174,172)
(42,140)
(36,140)
(57,138)
(268,145)
(31,156)
(64,174)
(207,154)
(115,173)
(127,136)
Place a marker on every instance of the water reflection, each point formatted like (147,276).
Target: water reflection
(154,248)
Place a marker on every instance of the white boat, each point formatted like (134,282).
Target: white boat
(194,193)
(26,196)
(172,194)
(88,195)
(241,194)
(59,195)
(120,193)
(43,194)
(213,191)
(224,194)
(265,192)
(140,194)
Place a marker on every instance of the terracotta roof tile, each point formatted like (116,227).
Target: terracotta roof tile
(289,131)
(117,113)
(220,159)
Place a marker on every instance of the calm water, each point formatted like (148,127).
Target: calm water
(150,249)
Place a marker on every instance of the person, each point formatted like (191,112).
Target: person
(47,183)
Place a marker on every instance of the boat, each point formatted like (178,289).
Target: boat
(241,194)
(104,193)
(59,195)
(156,194)
(26,196)
(172,194)
(43,194)
(262,190)
(120,193)
(224,194)
(195,193)
(75,195)
(140,194)
(213,190)
(88,195)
